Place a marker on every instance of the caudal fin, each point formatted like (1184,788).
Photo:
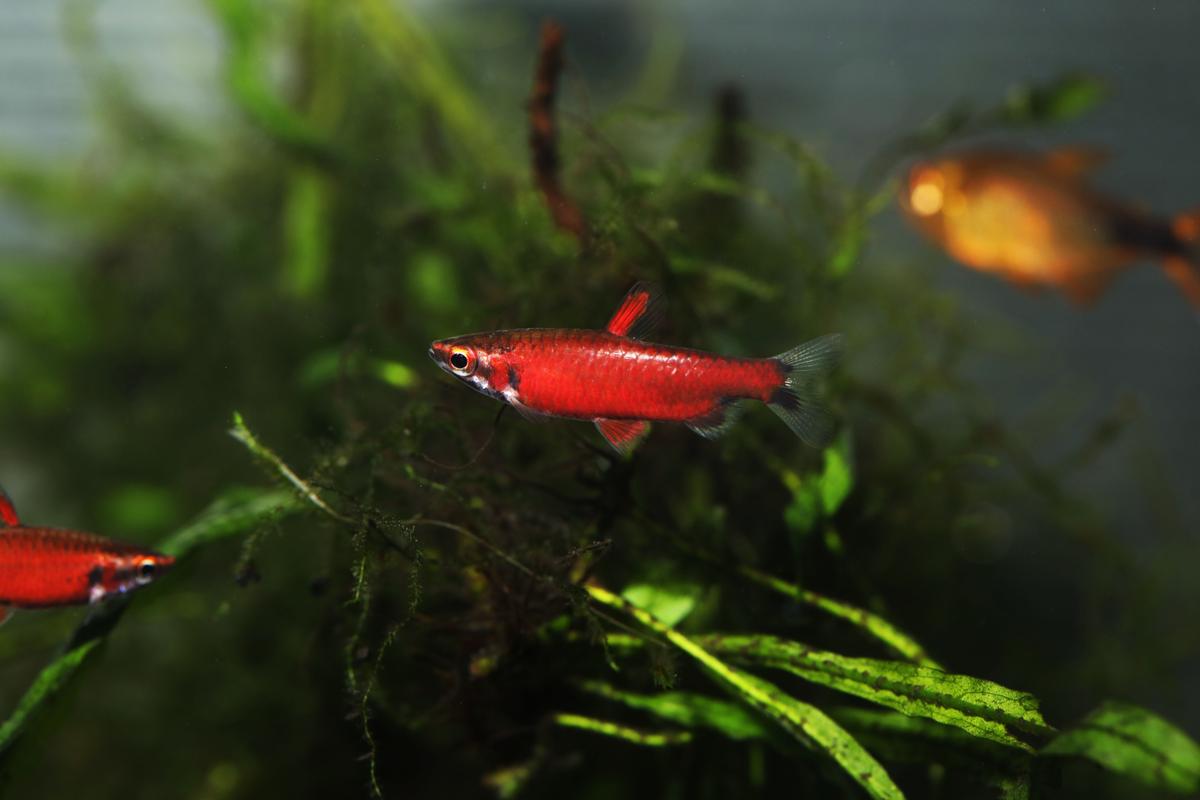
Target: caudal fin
(797,402)
(1184,270)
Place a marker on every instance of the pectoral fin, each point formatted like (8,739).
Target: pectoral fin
(623,434)
(6,613)
(527,413)
(8,512)
(639,313)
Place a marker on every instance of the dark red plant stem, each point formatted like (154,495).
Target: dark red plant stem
(543,134)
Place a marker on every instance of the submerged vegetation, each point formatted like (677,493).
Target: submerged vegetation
(427,595)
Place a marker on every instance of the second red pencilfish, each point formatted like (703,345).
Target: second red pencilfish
(47,567)
(622,383)
(1032,218)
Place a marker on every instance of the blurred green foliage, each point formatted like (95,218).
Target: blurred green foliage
(436,620)
(1136,743)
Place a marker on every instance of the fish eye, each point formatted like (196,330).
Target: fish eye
(462,361)
(145,570)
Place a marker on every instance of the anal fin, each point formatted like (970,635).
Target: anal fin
(6,613)
(623,434)
(718,421)
(1084,290)
(1186,276)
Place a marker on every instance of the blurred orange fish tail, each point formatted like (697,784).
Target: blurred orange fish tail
(1185,270)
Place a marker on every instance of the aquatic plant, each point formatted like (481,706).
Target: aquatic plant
(434,596)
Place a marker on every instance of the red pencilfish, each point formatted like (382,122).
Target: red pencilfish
(1033,219)
(622,383)
(45,567)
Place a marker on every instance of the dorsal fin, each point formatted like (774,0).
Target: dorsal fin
(8,512)
(639,313)
(1074,162)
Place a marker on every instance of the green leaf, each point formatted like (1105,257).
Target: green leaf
(837,479)
(716,183)
(813,727)
(872,624)
(670,604)
(725,276)
(979,707)
(508,782)
(1136,743)
(243,434)
(416,60)
(306,229)
(48,683)
(817,496)
(244,27)
(687,708)
(393,372)
(804,722)
(896,736)
(326,366)
(234,512)
(622,732)
(899,738)
(803,512)
(848,244)
(1062,100)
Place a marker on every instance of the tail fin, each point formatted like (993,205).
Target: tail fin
(1184,270)
(796,402)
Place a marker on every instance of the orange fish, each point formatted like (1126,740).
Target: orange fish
(1033,219)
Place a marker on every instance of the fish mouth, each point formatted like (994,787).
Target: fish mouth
(436,357)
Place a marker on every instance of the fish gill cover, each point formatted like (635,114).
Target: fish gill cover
(426,598)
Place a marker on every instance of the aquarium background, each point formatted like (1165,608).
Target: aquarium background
(272,208)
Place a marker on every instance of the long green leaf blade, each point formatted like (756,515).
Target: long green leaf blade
(804,722)
(687,708)
(48,682)
(979,707)
(811,725)
(625,733)
(234,512)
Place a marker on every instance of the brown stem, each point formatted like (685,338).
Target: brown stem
(543,133)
